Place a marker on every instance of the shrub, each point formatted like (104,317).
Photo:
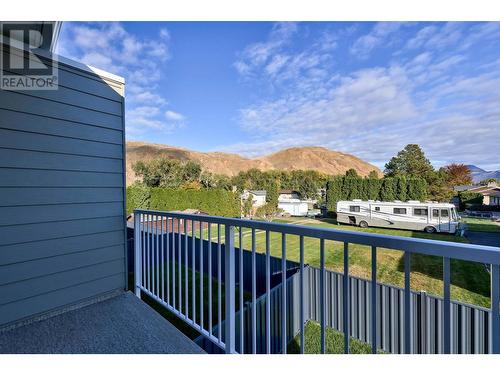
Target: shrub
(138,196)
(214,202)
(468,198)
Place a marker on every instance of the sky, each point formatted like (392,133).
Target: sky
(252,88)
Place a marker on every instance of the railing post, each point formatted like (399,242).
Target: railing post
(495,317)
(229,281)
(137,254)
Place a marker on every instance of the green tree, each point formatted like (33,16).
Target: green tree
(268,211)
(438,189)
(417,189)
(334,193)
(247,205)
(410,161)
(402,188)
(167,173)
(272,194)
(351,173)
(388,191)
(374,185)
(373,174)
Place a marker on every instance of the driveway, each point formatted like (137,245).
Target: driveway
(484,238)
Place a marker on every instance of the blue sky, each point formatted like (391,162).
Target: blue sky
(253,88)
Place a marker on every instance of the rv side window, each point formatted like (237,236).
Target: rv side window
(377,208)
(420,211)
(354,208)
(435,213)
(444,213)
(400,211)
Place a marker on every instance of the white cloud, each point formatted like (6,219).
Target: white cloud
(434,93)
(109,46)
(174,116)
(259,54)
(364,45)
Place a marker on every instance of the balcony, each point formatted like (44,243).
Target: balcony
(118,323)
(240,299)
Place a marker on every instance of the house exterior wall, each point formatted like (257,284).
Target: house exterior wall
(62,222)
(293,207)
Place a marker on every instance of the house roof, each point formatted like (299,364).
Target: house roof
(288,191)
(492,193)
(258,192)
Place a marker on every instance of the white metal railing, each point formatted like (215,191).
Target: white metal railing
(163,267)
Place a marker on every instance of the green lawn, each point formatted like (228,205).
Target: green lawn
(334,342)
(470,281)
(481,225)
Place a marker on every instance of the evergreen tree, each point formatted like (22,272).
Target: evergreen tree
(334,193)
(272,194)
(387,191)
(410,161)
(374,185)
(402,188)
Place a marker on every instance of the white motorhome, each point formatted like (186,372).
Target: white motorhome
(413,215)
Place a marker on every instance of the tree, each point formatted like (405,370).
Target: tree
(374,185)
(417,189)
(373,174)
(272,194)
(268,211)
(410,161)
(351,173)
(334,193)
(457,174)
(167,173)
(401,188)
(387,191)
(248,205)
(438,189)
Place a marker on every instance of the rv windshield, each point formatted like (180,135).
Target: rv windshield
(454,214)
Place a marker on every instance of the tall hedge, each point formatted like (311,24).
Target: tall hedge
(384,189)
(214,201)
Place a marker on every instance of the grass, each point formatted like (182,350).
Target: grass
(481,225)
(470,281)
(334,342)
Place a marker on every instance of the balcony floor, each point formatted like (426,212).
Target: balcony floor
(122,324)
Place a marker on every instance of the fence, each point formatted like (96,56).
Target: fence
(399,323)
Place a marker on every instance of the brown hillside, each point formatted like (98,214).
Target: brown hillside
(315,158)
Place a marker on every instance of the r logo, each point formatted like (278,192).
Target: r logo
(21,67)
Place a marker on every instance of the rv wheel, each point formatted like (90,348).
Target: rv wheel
(429,229)
(363,224)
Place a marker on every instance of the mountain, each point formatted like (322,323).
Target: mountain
(316,158)
(479,174)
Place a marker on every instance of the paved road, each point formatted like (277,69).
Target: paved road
(484,238)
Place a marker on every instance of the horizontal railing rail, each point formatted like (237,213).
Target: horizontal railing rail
(169,267)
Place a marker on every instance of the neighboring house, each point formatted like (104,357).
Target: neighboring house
(490,192)
(258,199)
(288,194)
(294,207)
(491,197)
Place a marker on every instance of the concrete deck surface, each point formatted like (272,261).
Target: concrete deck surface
(122,324)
